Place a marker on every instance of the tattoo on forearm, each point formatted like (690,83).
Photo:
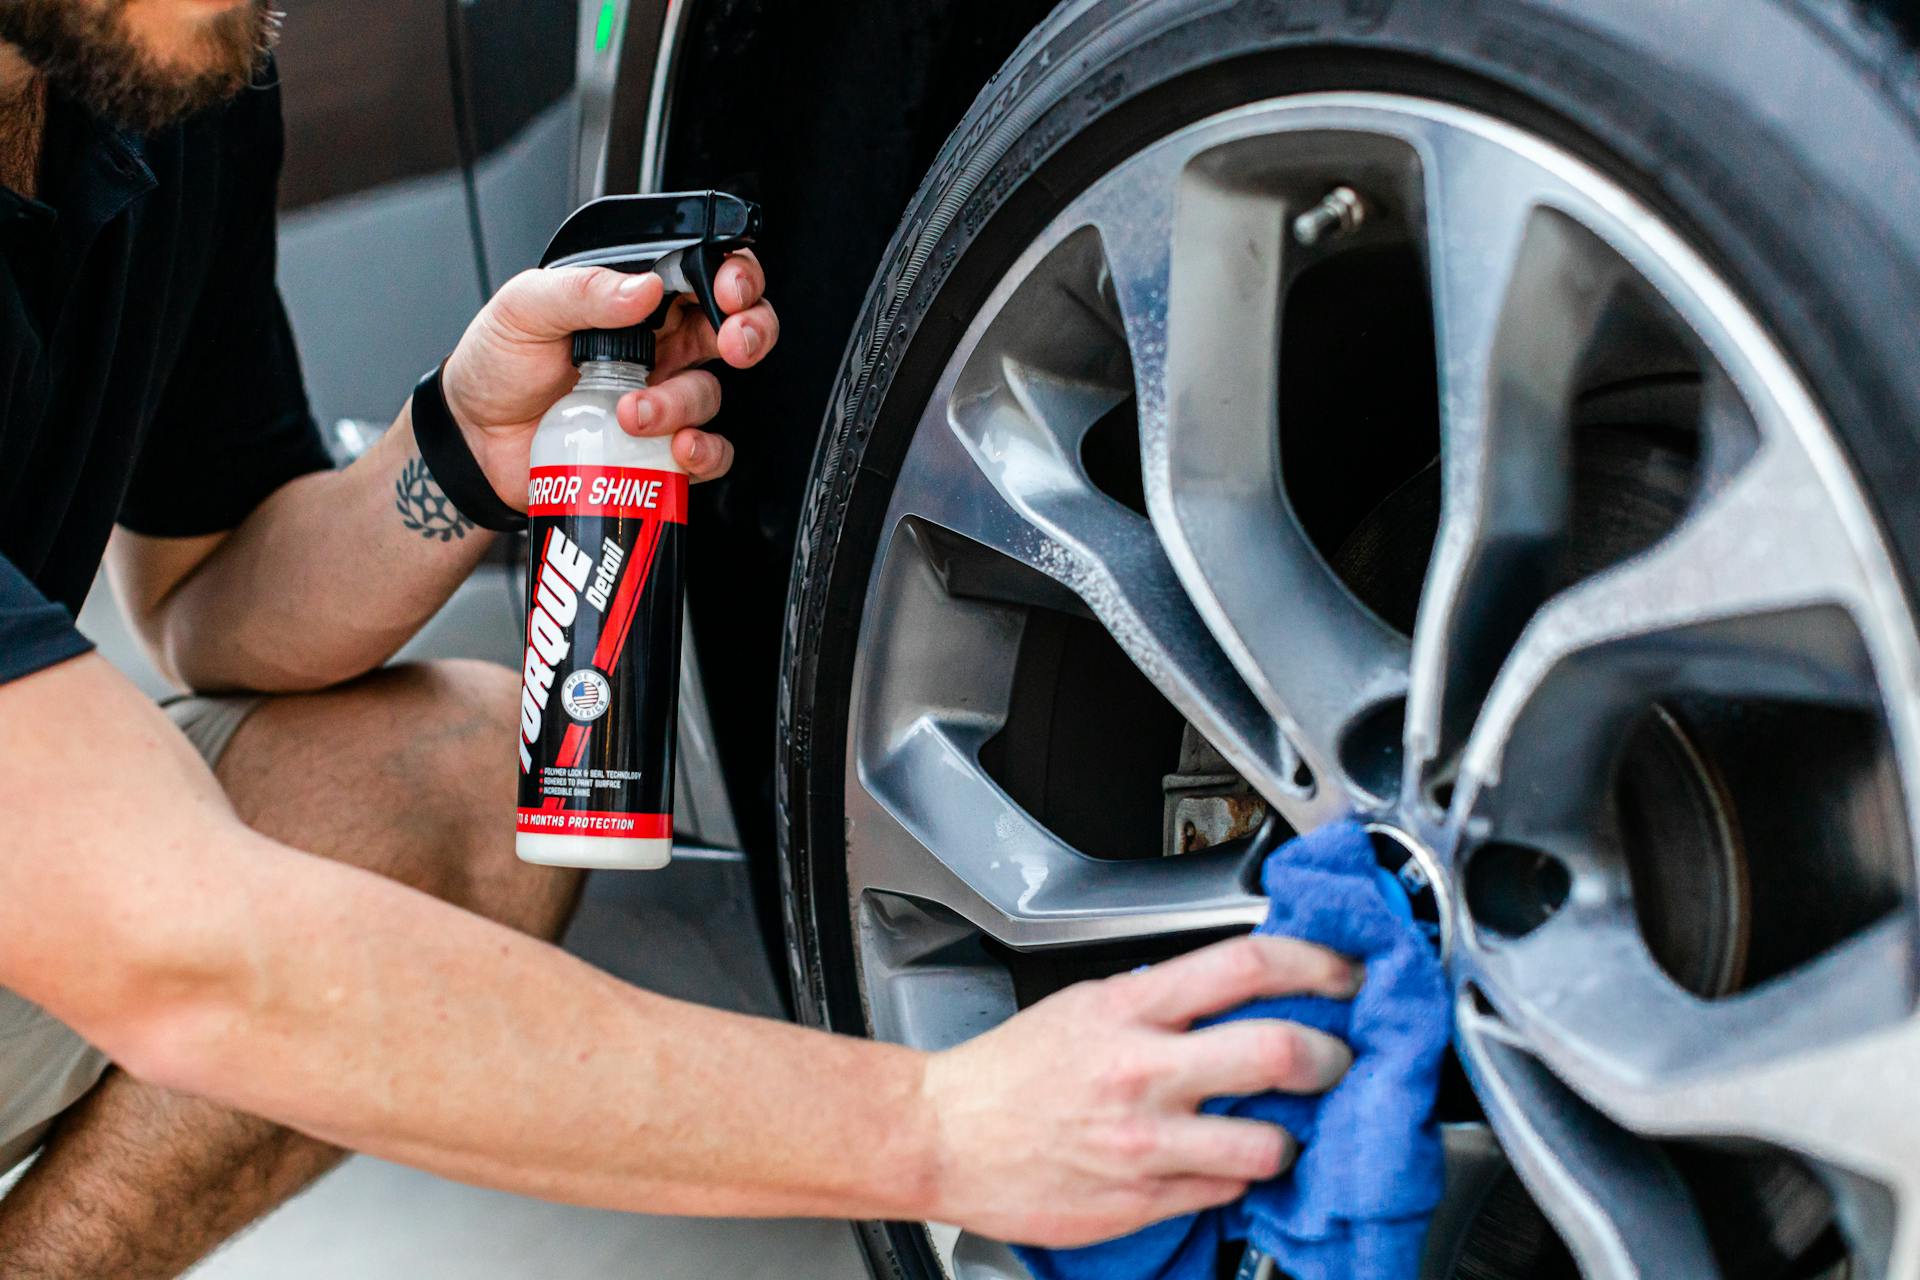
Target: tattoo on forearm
(424,507)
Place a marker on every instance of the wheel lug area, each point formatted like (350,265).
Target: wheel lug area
(1412,872)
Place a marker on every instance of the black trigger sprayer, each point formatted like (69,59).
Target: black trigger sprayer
(600,693)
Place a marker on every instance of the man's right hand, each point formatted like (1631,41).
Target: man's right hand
(1076,1121)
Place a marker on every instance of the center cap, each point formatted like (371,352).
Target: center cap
(1409,867)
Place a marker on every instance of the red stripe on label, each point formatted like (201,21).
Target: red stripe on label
(640,826)
(572,744)
(626,599)
(634,492)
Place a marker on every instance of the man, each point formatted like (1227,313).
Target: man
(287,909)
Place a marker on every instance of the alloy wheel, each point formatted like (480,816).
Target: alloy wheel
(1475,503)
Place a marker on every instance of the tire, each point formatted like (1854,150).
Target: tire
(1779,138)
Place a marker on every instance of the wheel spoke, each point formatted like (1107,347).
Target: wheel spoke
(1661,1061)
(967,1256)
(1620,1207)
(1594,1053)
(1199,288)
(973,1257)
(996,461)
(1725,562)
(933,986)
(927,823)
(1518,290)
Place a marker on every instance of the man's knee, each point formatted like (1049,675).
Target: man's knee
(467,705)
(466,716)
(409,772)
(455,720)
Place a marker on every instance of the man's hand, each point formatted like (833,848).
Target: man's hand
(196,601)
(515,361)
(1075,1121)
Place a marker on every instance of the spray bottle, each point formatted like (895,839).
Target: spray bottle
(607,553)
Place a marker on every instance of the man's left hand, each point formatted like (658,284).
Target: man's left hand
(515,361)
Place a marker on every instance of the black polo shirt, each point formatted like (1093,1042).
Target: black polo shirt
(147,372)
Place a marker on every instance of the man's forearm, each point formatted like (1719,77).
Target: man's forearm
(334,572)
(325,580)
(417,1032)
(220,963)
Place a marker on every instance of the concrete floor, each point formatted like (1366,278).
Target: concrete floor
(376,1221)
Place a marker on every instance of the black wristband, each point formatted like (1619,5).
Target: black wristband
(451,460)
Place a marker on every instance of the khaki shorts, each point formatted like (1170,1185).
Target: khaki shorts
(44,1066)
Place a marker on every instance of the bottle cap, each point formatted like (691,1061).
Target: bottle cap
(633,344)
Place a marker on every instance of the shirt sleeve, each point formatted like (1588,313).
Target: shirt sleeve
(232,423)
(34,631)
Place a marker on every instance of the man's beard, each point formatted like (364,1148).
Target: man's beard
(93,54)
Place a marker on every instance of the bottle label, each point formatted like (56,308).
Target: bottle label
(600,684)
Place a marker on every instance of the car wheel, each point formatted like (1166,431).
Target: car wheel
(1496,419)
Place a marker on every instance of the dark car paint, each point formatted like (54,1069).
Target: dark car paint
(367,97)
(370,89)
(831,117)
(429,154)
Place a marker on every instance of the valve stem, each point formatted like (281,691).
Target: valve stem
(1339,211)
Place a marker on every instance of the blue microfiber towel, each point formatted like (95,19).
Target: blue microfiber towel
(1355,1204)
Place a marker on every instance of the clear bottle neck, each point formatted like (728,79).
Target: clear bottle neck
(611,375)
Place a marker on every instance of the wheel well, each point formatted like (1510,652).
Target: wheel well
(830,116)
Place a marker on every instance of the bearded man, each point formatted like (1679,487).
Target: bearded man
(281,916)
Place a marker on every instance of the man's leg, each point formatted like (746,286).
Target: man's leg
(409,773)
